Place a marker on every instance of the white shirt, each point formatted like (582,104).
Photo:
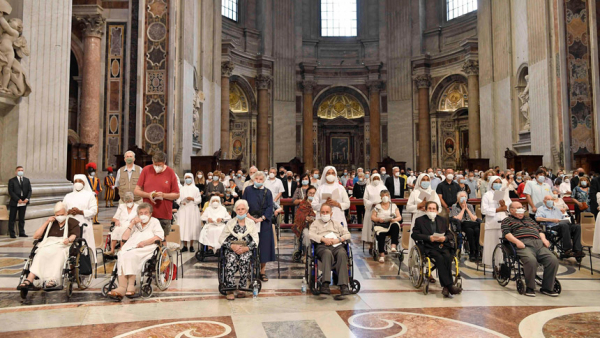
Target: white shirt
(276,187)
(396,186)
(289,184)
(129,171)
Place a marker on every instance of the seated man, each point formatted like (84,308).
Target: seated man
(464,214)
(532,247)
(328,234)
(553,218)
(53,250)
(433,231)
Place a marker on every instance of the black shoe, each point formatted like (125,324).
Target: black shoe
(530,292)
(344,290)
(472,259)
(446,293)
(325,289)
(13,236)
(454,290)
(579,254)
(549,293)
(191,249)
(185,249)
(23,235)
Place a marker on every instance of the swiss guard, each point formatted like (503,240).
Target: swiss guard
(94,183)
(109,184)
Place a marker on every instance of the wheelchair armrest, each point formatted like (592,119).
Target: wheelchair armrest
(35,242)
(157,242)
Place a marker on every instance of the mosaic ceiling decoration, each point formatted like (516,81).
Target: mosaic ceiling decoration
(456,96)
(340,105)
(238,101)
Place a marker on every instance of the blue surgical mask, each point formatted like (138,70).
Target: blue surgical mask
(549,204)
(463,199)
(367,175)
(188,181)
(241,217)
(258,185)
(310,198)
(497,186)
(316,176)
(541,179)
(518,178)
(19,173)
(425,184)
(463,181)
(584,184)
(304,182)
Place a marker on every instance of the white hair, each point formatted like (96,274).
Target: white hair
(394,168)
(241,202)
(460,193)
(60,206)
(130,152)
(258,174)
(128,196)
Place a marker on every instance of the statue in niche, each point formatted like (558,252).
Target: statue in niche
(524,108)
(198,99)
(13,47)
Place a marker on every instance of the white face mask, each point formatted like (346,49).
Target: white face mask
(271,176)
(376,182)
(145,218)
(129,205)
(78,186)
(158,169)
(450,177)
(385,199)
(200,176)
(325,218)
(330,178)
(520,211)
(383,172)
(397,174)
(60,219)
(214,205)
(431,215)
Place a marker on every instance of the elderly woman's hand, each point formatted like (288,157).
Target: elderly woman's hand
(141,245)
(66,241)
(51,219)
(117,223)
(219,220)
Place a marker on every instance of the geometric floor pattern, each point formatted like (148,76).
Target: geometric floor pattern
(386,306)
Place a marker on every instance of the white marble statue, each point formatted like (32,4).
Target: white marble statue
(524,108)
(13,47)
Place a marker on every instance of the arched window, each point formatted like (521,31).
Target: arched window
(456,8)
(229,9)
(338,18)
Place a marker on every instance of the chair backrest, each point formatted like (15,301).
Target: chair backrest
(174,236)
(481,233)
(406,194)
(478,211)
(587,218)
(587,232)
(405,236)
(99,235)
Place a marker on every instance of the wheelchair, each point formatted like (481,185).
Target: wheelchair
(203,252)
(554,236)
(420,266)
(506,267)
(388,244)
(462,244)
(299,247)
(76,270)
(254,274)
(314,277)
(159,268)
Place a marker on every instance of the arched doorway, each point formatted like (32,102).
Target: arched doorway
(340,114)
(243,114)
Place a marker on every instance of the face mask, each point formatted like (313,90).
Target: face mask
(297,180)
(345,174)
(316,176)
(361,179)
(304,182)
(549,204)
(402,173)
(397,174)
(518,178)
(385,199)
(60,219)
(562,175)
(541,179)
(367,175)
(463,199)
(214,205)
(199,176)
(325,218)
(310,198)
(330,178)
(580,174)
(78,186)
(210,177)
(258,185)
(450,177)
(129,205)
(110,174)
(555,196)
(463,181)
(431,215)
(290,178)
(19,173)
(145,218)
(239,175)
(425,185)
(215,178)
(567,181)
(439,173)
(241,217)
(158,169)
(228,195)
(93,173)
(497,186)
(584,184)
(520,211)
(188,181)
(376,182)
(129,160)
(281,173)
(271,176)
(383,172)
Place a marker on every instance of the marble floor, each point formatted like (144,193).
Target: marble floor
(386,306)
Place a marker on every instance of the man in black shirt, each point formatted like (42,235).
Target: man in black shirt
(447,191)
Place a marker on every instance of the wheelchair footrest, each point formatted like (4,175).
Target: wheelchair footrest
(55,288)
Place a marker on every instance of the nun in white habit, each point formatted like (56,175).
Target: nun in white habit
(372,197)
(493,216)
(82,205)
(188,214)
(214,217)
(330,191)
(416,204)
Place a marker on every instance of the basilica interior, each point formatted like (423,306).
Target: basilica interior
(300,84)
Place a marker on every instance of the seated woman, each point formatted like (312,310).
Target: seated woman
(239,237)
(433,231)
(140,235)
(126,212)
(305,215)
(465,215)
(558,201)
(215,217)
(386,218)
(52,252)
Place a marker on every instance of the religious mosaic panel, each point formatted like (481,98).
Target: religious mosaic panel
(454,97)
(238,101)
(156,44)
(115,91)
(340,105)
(579,76)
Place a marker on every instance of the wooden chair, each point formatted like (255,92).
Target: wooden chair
(99,242)
(478,211)
(588,226)
(406,194)
(481,241)
(175,237)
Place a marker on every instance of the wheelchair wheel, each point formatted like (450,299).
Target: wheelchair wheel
(296,256)
(426,286)
(68,286)
(557,286)
(501,268)
(354,286)
(200,254)
(83,281)
(108,287)
(415,267)
(23,293)
(222,289)
(164,270)
(520,286)
(317,291)
(146,291)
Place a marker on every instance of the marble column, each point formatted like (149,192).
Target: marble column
(263,83)
(307,124)
(93,29)
(471,68)
(423,83)
(226,70)
(375,120)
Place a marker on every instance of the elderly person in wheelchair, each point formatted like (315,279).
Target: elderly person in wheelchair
(140,236)
(432,235)
(329,234)
(463,215)
(386,217)
(532,248)
(553,218)
(55,236)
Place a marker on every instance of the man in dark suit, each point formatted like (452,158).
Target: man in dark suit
(594,190)
(395,185)
(437,247)
(289,187)
(19,190)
